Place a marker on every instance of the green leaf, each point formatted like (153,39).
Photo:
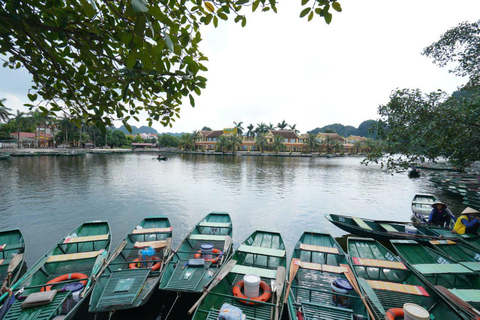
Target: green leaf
(169,42)
(138,6)
(241,2)
(304,2)
(139,27)
(305,12)
(131,60)
(328,17)
(255,5)
(244,21)
(32,97)
(310,16)
(337,6)
(192,101)
(215,21)
(222,16)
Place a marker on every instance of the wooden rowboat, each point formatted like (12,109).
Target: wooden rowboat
(457,273)
(187,270)
(422,206)
(12,244)
(389,283)
(317,260)
(50,285)
(126,283)
(262,254)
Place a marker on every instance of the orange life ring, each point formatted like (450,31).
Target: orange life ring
(213,260)
(394,313)
(267,293)
(138,261)
(68,276)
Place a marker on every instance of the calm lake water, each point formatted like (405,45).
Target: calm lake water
(47,197)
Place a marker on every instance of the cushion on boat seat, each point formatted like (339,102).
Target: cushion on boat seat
(215,224)
(2,247)
(85,239)
(388,227)
(320,267)
(361,223)
(398,287)
(155,244)
(38,299)
(472,265)
(266,273)
(152,230)
(1,261)
(311,247)
(433,268)
(74,256)
(469,295)
(378,263)
(263,251)
(442,242)
(210,237)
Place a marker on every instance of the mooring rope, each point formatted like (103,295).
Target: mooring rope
(178,296)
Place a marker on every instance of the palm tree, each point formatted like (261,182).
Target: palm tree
(271,126)
(282,125)
(294,129)
(329,142)
(239,127)
(261,141)
(262,128)
(185,141)
(21,121)
(358,145)
(338,147)
(235,141)
(37,119)
(66,126)
(5,113)
(312,142)
(278,144)
(223,143)
(196,135)
(250,131)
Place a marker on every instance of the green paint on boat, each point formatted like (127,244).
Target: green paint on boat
(12,243)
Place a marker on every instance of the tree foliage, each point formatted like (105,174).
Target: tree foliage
(103,60)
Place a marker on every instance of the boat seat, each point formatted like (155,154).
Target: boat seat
(437,268)
(398,287)
(320,267)
(469,295)
(361,223)
(215,224)
(311,247)
(74,256)
(3,246)
(152,230)
(472,265)
(1,261)
(442,242)
(157,244)
(262,251)
(211,237)
(388,227)
(378,263)
(265,273)
(86,239)
(328,312)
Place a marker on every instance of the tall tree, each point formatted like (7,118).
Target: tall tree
(250,131)
(271,126)
(5,112)
(277,144)
(261,142)
(312,143)
(223,143)
(99,60)
(235,141)
(262,128)
(21,120)
(239,127)
(282,125)
(196,136)
(294,128)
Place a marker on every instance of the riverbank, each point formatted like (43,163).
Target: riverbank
(79,151)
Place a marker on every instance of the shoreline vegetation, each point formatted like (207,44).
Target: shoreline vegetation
(81,151)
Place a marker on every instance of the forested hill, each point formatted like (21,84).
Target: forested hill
(135,130)
(346,131)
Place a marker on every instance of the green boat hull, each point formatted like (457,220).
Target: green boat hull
(391,285)
(179,275)
(311,291)
(82,251)
(12,243)
(262,253)
(125,284)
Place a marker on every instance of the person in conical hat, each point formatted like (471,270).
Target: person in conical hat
(467,222)
(439,215)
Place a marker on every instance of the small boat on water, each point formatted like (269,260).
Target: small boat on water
(200,255)
(4,155)
(58,283)
(385,230)
(12,256)
(389,283)
(162,158)
(262,257)
(456,274)
(422,206)
(318,263)
(129,280)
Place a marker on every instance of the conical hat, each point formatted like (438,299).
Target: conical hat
(438,202)
(469,210)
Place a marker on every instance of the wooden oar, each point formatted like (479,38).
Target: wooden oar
(353,281)
(461,303)
(221,274)
(371,295)
(294,265)
(16,260)
(104,265)
(279,281)
(226,246)
(166,253)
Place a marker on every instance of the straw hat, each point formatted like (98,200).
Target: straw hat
(434,205)
(469,210)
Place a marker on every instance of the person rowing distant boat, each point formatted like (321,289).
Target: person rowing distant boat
(467,222)
(439,215)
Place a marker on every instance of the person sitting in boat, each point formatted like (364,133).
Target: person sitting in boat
(159,156)
(467,222)
(439,215)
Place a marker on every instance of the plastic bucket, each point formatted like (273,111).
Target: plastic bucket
(410,229)
(251,284)
(75,288)
(207,250)
(340,286)
(415,312)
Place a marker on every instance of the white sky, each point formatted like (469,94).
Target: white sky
(311,74)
